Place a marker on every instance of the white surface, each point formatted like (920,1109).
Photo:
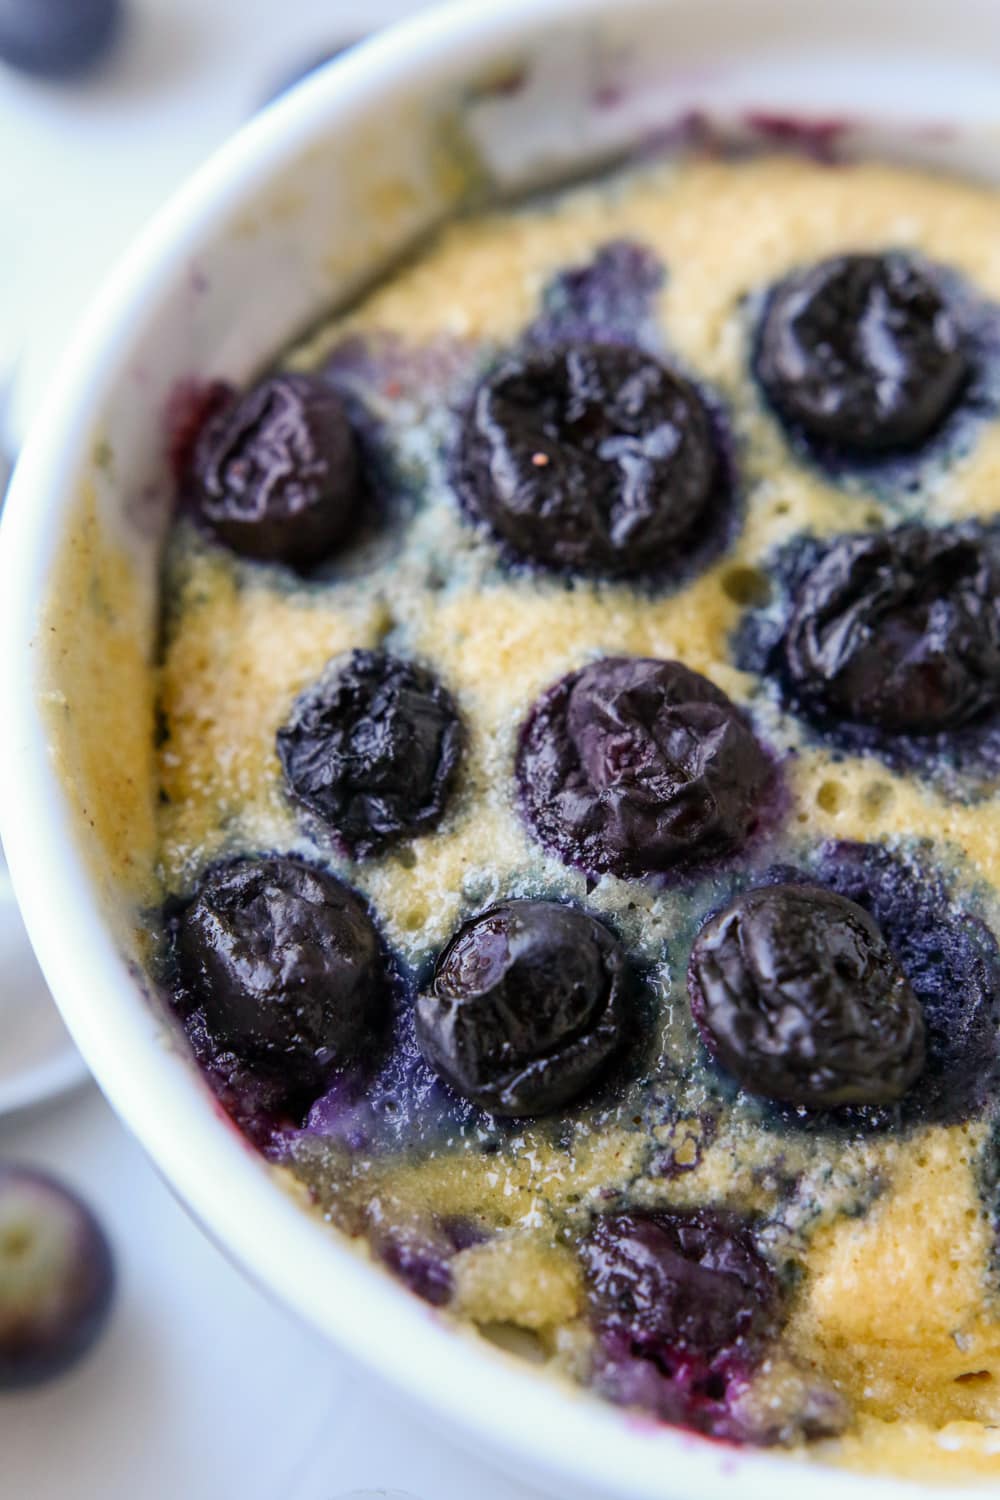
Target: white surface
(201,1389)
(37,1058)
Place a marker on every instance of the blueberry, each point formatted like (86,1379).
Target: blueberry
(276,475)
(58,38)
(56,1278)
(633,765)
(861,352)
(798,995)
(952,961)
(416,1256)
(683,1306)
(528,1002)
(285,967)
(592,458)
(372,749)
(899,630)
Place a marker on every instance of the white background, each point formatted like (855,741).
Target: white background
(201,1389)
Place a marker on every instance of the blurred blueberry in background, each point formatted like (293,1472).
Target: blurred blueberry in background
(58,38)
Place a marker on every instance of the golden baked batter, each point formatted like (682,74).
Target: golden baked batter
(896,1309)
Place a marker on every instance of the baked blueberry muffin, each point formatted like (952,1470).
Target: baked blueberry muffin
(579,738)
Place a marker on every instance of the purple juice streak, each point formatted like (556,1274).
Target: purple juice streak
(819,139)
(962,763)
(403,1105)
(611,299)
(418,1263)
(686,1397)
(823,139)
(692,131)
(255,1105)
(191,404)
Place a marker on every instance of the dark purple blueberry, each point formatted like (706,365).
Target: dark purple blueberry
(861,352)
(285,966)
(276,474)
(633,765)
(191,405)
(56,1278)
(899,630)
(683,1306)
(952,962)
(528,1002)
(372,749)
(58,38)
(799,996)
(592,458)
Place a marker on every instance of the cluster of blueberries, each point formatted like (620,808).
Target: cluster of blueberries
(635,765)
(594,458)
(57,1277)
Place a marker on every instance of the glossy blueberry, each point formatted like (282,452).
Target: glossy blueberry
(276,474)
(58,38)
(283,963)
(56,1278)
(633,765)
(191,406)
(683,1307)
(592,458)
(798,995)
(952,961)
(862,353)
(372,749)
(899,630)
(528,1002)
